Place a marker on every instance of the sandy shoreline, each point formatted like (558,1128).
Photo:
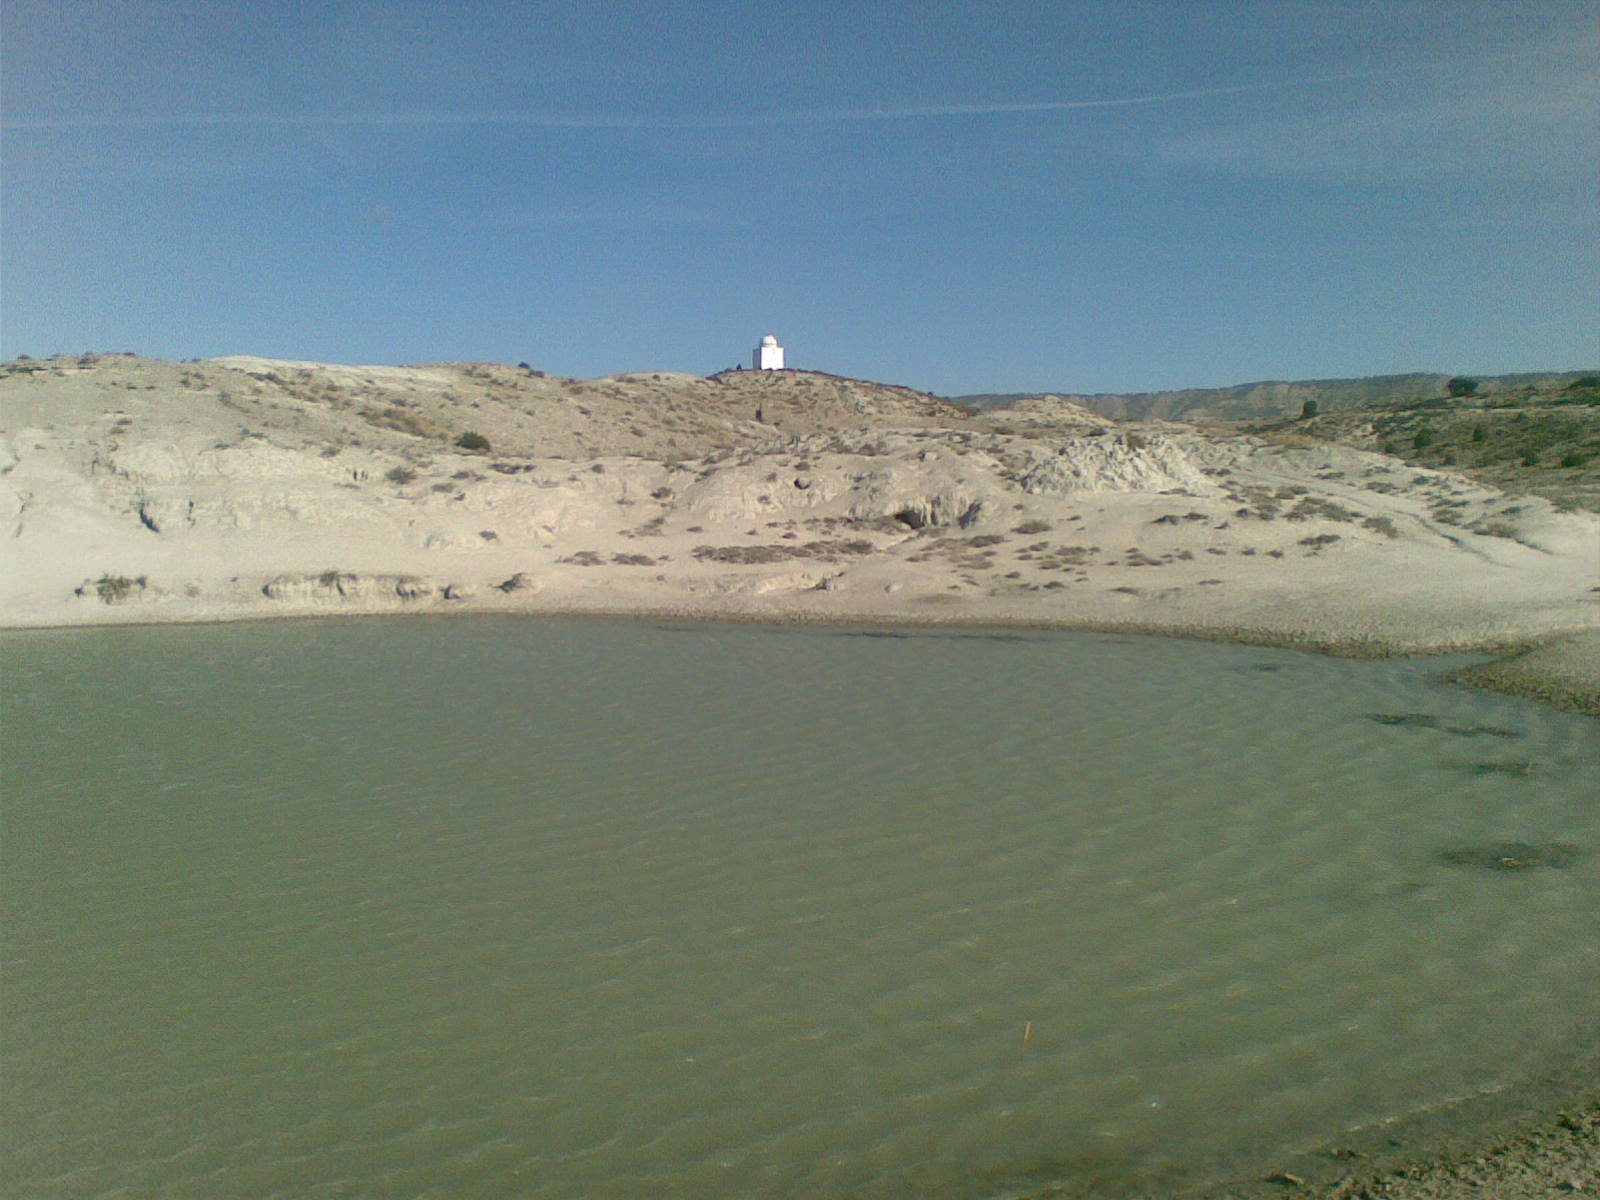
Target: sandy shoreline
(141,491)
(1561,670)
(1536,1155)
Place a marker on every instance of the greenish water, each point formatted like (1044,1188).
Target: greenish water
(568,908)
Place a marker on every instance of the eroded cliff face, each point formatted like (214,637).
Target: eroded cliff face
(137,490)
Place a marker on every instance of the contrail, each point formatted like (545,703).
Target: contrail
(549,120)
(552,120)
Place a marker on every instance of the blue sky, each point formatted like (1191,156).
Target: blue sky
(962,197)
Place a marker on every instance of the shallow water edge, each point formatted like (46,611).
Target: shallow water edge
(1560,669)
(1513,1144)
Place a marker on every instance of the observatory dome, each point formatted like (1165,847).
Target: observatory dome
(768,355)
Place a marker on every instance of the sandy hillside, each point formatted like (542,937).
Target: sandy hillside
(143,490)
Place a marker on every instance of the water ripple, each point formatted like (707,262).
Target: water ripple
(561,909)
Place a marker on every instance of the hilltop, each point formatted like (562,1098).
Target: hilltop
(146,490)
(518,410)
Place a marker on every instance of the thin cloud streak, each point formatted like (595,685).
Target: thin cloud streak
(581,121)
(548,120)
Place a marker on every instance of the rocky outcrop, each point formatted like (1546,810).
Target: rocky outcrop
(347,587)
(1114,462)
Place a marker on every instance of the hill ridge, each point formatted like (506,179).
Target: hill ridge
(1261,399)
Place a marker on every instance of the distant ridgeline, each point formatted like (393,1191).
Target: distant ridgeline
(1249,401)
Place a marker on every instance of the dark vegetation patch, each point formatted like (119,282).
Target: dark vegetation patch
(401,421)
(1543,440)
(1416,720)
(825,551)
(114,589)
(1309,507)
(1516,769)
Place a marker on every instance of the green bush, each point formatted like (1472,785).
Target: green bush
(1460,386)
(1424,438)
(473,441)
(401,475)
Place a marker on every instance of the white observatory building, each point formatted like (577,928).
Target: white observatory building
(769,355)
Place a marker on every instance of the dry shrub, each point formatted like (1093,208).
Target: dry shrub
(402,421)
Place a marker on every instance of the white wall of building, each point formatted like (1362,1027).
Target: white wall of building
(768,355)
